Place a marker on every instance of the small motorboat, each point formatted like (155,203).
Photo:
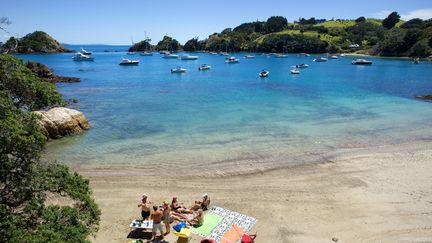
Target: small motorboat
(212,53)
(80,57)
(361,62)
(320,59)
(264,74)
(204,67)
(280,55)
(300,66)
(146,53)
(85,52)
(178,70)
(170,56)
(188,58)
(333,57)
(164,52)
(416,60)
(223,53)
(232,60)
(295,71)
(131,53)
(249,57)
(126,62)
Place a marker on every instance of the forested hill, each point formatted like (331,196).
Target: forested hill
(36,42)
(388,37)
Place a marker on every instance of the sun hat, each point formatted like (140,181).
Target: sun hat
(144,195)
(205,194)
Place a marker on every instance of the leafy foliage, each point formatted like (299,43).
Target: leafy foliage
(143,45)
(275,24)
(391,20)
(168,43)
(38,41)
(25,89)
(26,182)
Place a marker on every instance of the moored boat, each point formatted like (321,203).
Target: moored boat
(264,74)
(204,67)
(295,71)
(189,57)
(333,57)
(146,53)
(125,62)
(178,70)
(301,66)
(170,56)
(79,57)
(277,55)
(249,56)
(320,59)
(131,53)
(232,60)
(361,62)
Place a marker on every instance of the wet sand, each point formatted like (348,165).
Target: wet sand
(381,194)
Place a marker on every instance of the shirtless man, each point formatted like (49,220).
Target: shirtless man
(145,207)
(156,216)
(204,204)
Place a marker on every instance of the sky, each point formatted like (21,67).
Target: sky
(123,22)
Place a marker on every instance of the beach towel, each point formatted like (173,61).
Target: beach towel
(210,222)
(184,233)
(232,235)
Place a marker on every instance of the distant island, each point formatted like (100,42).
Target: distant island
(388,37)
(36,42)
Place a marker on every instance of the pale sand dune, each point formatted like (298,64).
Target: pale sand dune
(379,195)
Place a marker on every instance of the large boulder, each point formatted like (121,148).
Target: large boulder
(60,121)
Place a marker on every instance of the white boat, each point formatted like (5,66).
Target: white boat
(204,67)
(295,71)
(164,52)
(223,53)
(189,57)
(85,52)
(333,57)
(79,57)
(416,60)
(361,62)
(280,55)
(131,53)
(301,66)
(129,62)
(304,54)
(232,60)
(145,53)
(178,70)
(264,74)
(342,55)
(249,56)
(320,59)
(170,56)
(212,53)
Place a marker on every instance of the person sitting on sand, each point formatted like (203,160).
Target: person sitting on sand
(198,220)
(156,216)
(145,207)
(177,207)
(204,204)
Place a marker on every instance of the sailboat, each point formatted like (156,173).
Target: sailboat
(146,52)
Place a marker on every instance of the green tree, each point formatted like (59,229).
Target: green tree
(360,19)
(168,43)
(391,20)
(393,42)
(420,49)
(275,24)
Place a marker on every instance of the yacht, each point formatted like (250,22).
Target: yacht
(170,56)
(361,62)
(164,52)
(129,62)
(320,59)
(301,66)
(264,74)
(146,53)
(178,70)
(188,57)
(85,52)
(212,53)
(81,57)
(204,67)
(232,60)
(223,53)
(295,71)
(333,57)
(280,55)
(249,56)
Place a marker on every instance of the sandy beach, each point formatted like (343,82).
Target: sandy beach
(367,195)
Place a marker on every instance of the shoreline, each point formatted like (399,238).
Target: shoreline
(384,195)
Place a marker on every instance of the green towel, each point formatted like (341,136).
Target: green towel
(210,222)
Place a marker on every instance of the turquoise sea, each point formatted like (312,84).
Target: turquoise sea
(229,120)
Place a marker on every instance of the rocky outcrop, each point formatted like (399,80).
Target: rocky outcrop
(424,97)
(36,42)
(60,121)
(45,73)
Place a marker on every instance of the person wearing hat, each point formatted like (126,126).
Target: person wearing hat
(204,204)
(145,207)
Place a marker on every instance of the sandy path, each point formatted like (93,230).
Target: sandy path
(383,195)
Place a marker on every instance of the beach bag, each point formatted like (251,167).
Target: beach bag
(179,226)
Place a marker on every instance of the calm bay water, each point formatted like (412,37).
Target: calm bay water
(228,119)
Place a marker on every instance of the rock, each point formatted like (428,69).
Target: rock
(335,239)
(45,73)
(424,97)
(60,121)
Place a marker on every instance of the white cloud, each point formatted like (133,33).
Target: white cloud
(425,13)
(381,14)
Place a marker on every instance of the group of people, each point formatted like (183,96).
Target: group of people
(166,214)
